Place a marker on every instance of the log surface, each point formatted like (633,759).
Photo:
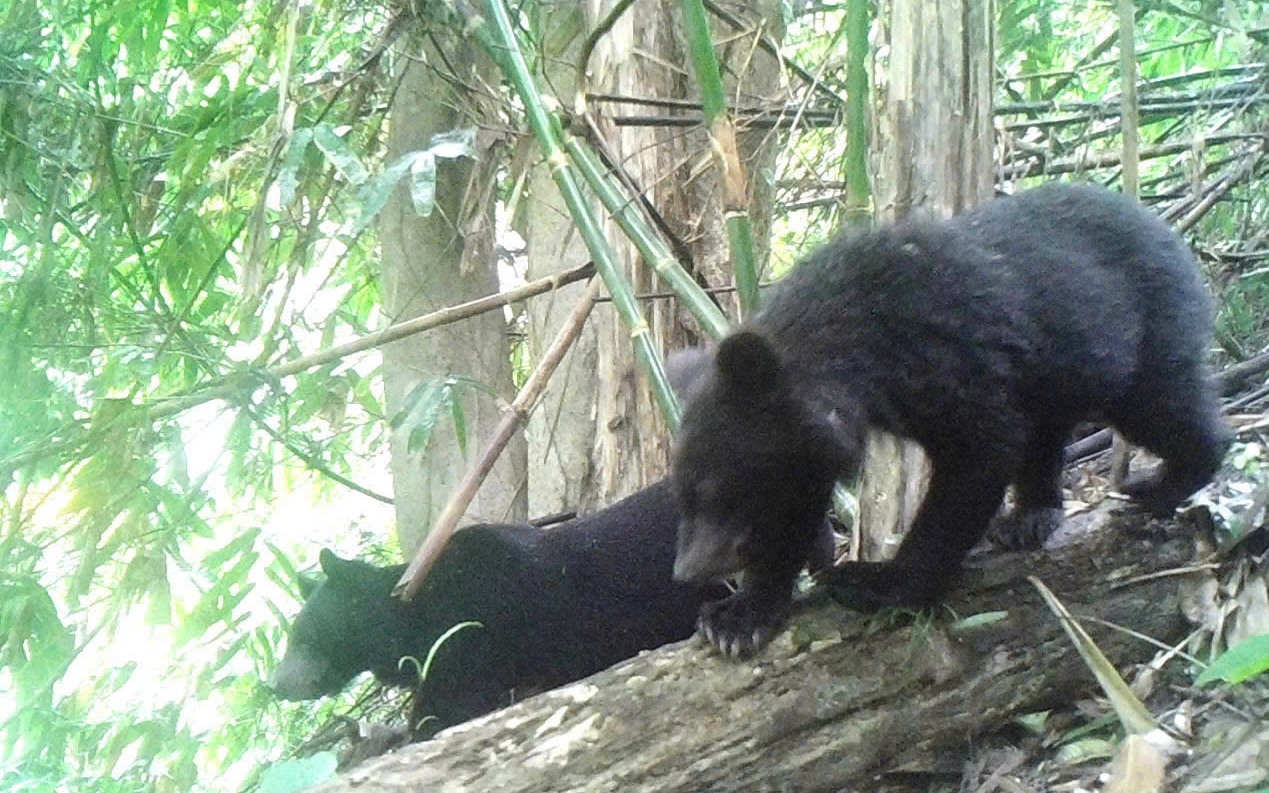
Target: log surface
(834,701)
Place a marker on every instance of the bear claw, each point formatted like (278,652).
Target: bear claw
(739,626)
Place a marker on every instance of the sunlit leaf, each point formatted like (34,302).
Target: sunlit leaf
(457,143)
(337,152)
(292,776)
(288,175)
(1239,663)
(423,182)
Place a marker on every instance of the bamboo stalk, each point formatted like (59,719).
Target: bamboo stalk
(722,138)
(771,48)
(504,46)
(588,48)
(1110,159)
(858,193)
(1119,454)
(512,419)
(1086,64)
(650,246)
(1235,89)
(1227,182)
(1151,111)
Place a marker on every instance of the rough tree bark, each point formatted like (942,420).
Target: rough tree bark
(936,144)
(837,700)
(597,435)
(436,261)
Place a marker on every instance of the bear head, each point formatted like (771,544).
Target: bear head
(755,458)
(348,625)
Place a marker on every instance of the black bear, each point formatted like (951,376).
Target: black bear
(554,605)
(984,338)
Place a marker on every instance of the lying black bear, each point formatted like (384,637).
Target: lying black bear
(984,338)
(554,606)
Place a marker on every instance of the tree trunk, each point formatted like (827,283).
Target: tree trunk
(436,261)
(936,158)
(597,435)
(838,699)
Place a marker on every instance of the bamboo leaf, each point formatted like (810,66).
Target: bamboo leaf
(292,776)
(1240,663)
(423,182)
(288,179)
(1132,712)
(337,152)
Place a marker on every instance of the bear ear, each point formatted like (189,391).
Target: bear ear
(332,565)
(747,363)
(686,370)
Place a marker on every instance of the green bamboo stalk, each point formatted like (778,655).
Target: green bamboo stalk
(1120,455)
(722,134)
(503,44)
(858,193)
(650,246)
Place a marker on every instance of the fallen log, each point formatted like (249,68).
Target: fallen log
(839,698)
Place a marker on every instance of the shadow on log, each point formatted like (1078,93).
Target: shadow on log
(837,699)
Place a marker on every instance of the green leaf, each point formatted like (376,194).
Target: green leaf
(424,407)
(288,179)
(422,167)
(291,776)
(455,143)
(424,669)
(979,621)
(423,183)
(376,192)
(1239,663)
(460,424)
(336,150)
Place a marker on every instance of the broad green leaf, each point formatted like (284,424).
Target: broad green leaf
(460,424)
(337,152)
(376,192)
(288,175)
(423,182)
(292,776)
(456,143)
(1239,663)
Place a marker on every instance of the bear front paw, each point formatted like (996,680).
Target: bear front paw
(741,625)
(1024,531)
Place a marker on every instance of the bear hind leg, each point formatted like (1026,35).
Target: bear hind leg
(1185,429)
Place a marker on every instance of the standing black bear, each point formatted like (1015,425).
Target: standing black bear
(553,605)
(984,338)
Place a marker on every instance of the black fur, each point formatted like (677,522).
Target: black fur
(985,339)
(555,605)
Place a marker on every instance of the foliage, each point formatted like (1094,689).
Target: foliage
(187,193)
(1057,102)
(296,775)
(174,214)
(1239,663)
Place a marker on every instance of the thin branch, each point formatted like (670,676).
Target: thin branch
(234,384)
(772,49)
(588,47)
(512,419)
(311,460)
